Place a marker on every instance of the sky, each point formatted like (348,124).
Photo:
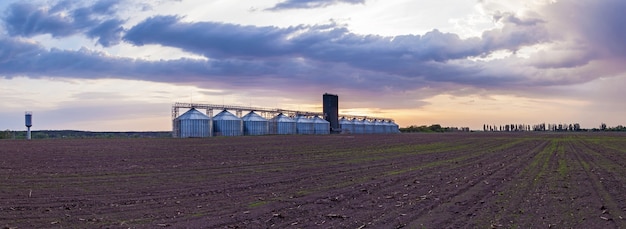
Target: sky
(119,65)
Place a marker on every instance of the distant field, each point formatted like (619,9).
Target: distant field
(484,180)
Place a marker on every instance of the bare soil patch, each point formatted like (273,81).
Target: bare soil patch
(459,180)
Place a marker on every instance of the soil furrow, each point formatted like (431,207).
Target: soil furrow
(454,180)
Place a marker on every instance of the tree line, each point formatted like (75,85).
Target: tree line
(561,127)
(433,129)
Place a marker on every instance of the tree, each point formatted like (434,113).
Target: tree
(436,128)
(5,134)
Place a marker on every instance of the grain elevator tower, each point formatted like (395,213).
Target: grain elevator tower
(331,111)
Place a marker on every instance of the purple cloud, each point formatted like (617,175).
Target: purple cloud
(66,18)
(407,56)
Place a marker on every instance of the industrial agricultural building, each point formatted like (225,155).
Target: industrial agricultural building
(263,121)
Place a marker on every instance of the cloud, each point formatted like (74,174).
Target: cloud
(598,25)
(512,18)
(407,56)
(326,56)
(66,18)
(306,4)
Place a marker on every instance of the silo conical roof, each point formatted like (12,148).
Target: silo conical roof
(303,119)
(282,118)
(317,119)
(193,114)
(253,117)
(225,115)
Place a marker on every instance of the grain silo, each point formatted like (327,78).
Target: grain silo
(358,126)
(227,124)
(254,124)
(282,124)
(395,128)
(193,124)
(369,126)
(379,127)
(321,126)
(388,127)
(304,125)
(346,126)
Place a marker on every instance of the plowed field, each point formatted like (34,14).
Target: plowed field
(461,180)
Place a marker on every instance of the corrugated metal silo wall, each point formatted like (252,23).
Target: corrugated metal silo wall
(227,127)
(346,127)
(394,128)
(369,127)
(359,128)
(322,128)
(305,127)
(282,128)
(388,127)
(255,127)
(194,128)
(379,127)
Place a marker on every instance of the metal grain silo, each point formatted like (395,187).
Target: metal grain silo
(358,126)
(321,126)
(388,127)
(369,126)
(346,126)
(394,128)
(304,125)
(254,124)
(379,127)
(193,124)
(227,124)
(282,124)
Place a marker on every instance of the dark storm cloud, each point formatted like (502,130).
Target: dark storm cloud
(409,57)
(305,4)
(209,38)
(65,18)
(18,57)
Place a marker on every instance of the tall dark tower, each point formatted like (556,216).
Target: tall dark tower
(331,111)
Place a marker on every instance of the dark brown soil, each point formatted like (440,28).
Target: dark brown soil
(460,180)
